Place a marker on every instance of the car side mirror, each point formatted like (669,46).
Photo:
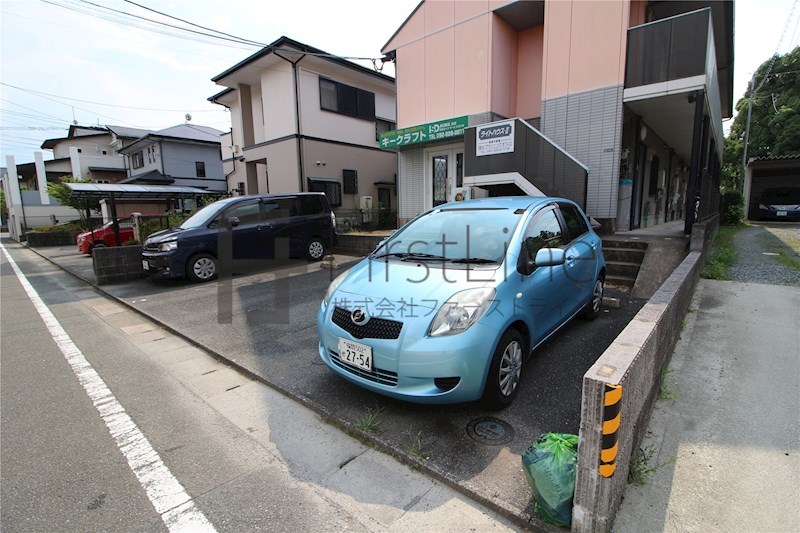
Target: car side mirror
(549,257)
(232,221)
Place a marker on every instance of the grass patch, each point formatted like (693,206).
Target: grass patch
(640,471)
(369,423)
(417,447)
(665,390)
(723,255)
(788,261)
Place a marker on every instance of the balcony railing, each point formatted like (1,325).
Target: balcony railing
(669,49)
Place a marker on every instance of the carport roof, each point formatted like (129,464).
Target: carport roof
(130,192)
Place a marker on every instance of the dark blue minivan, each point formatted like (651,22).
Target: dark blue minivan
(243,230)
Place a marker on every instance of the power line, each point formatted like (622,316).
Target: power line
(39,93)
(195,25)
(775,55)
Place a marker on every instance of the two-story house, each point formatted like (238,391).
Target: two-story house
(185,155)
(633,90)
(306,120)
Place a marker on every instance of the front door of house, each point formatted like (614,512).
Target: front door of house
(444,171)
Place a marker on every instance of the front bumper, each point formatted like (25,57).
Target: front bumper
(415,367)
(163,265)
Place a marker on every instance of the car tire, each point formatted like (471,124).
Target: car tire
(595,304)
(502,381)
(201,268)
(96,245)
(315,249)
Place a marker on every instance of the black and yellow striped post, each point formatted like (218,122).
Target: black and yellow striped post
(612,412)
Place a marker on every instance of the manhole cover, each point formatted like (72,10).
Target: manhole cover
(490,431)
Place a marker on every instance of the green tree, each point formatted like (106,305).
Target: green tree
(63,194)
(775,117)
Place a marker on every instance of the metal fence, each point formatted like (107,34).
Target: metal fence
(348,220)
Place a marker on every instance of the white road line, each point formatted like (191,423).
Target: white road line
(167,495)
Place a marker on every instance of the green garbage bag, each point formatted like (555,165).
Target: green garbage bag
(549,465)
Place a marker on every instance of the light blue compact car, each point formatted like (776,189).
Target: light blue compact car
(448,308)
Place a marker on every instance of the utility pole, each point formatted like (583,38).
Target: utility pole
(747,130)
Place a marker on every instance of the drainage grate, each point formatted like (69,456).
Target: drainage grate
(490,431)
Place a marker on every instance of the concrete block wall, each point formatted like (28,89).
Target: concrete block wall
(114,264)
(635,361)
(355,244)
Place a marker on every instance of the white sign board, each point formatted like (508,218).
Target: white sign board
(494,138)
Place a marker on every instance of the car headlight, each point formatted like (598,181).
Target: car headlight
(168,246)
(334,285)
(461,311)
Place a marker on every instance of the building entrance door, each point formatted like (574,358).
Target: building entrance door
(444,170)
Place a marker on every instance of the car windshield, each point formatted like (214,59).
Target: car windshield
(478,236)
(782,196)
(205,215)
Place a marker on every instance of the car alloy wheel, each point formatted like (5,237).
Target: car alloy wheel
(510,368)
(596,303)
(315,249)
(202,267)
(505,371)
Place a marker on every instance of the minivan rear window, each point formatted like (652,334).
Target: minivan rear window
(311,205)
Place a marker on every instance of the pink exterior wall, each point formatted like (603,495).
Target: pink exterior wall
(529,73)
(503,68)
(584,45)
(445,74)
(471,63)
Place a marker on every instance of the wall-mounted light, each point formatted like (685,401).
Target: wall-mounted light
(322,163)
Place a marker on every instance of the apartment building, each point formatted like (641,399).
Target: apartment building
(633,91)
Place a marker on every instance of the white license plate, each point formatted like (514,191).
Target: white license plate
(145,265)
(781,213)
(355,354)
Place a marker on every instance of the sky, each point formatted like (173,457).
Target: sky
(74,60)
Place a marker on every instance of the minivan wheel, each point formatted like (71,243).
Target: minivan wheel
(502,382)
(202,267)
(315,249)
(595,303)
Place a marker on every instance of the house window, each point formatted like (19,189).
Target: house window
(346,100)
(200,167)
(331,188)
(383,125)
(350,181)
(137,160)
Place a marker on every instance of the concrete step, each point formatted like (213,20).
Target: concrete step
(630,255)
(620,281)
(628,269)
(622,243)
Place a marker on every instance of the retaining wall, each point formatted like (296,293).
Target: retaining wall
(357,244)
(633,361)
(114,264)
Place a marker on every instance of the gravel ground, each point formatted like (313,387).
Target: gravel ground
(764,251)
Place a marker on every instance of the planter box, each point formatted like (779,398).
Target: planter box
(114,264)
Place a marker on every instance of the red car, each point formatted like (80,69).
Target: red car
(104,235)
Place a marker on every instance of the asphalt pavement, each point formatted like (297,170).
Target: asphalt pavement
(264,324)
